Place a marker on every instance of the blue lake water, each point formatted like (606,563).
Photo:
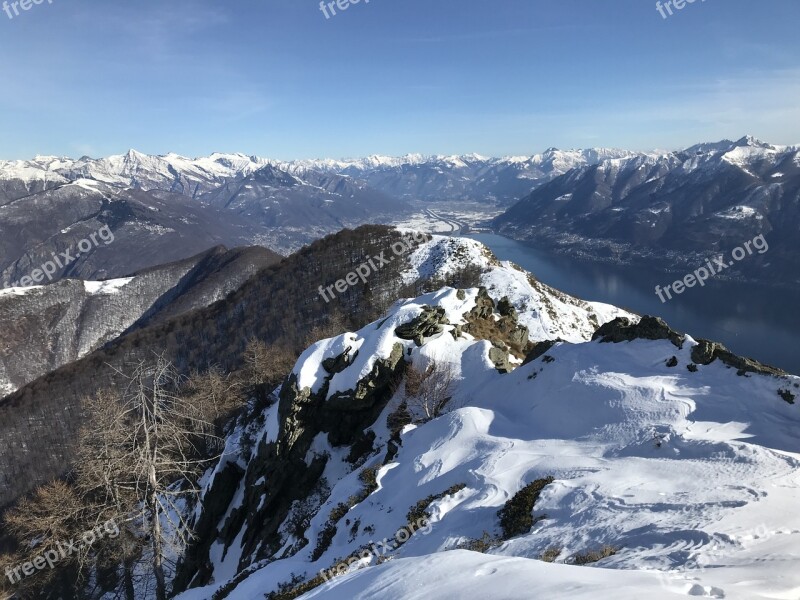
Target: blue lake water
(751,320)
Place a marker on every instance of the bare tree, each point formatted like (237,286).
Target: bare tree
(54,513)
(165,460)
(102,479)
(428,392)
(140,456)
(214,395)
(267,365)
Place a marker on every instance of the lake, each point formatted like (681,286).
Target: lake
(751,320)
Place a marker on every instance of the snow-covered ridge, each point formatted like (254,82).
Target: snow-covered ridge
(467,176)
(118,169)
(690,474)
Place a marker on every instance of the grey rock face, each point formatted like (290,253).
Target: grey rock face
(277,473)
(648,328)
(427,325)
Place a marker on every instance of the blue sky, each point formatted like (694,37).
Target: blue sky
(276,78)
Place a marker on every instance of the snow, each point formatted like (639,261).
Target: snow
(681,471)
(112,286)
(18,291)
(739,212)
(462,574)
(88,184)
(694,477)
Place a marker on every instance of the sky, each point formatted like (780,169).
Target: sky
(276,78)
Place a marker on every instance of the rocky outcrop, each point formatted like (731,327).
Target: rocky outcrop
(704,353)
(500,359)
(278,474)
(622,329)
(430,323)
(539,349)
(498,324)
(707,352)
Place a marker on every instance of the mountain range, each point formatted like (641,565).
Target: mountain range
(668,210)
(674,211)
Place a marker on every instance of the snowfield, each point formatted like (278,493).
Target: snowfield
(692,477)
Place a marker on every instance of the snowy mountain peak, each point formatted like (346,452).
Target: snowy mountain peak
(751,141)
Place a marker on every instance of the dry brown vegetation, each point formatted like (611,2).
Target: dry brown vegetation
(138,456)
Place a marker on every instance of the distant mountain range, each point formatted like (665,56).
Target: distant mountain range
(674,210)
(669,210)
(466,177)
(168,208)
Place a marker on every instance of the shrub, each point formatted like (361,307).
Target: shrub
(294,588)
(593,556)
(368,477)
(787,396)
(551,554)
(483,544)
(516,516)
(420,509)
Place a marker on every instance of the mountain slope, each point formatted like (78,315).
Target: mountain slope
(45,327)
(281,304)
(683,207)
(92,230)
(679,456)
(171,207)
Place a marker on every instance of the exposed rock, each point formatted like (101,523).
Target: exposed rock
(516,334)
(339,363)
(539,348)
(648,328)
(506,309)
(364,396)
(706,352)
(672,362)
(504,333)
(500,360)
(426,325)
(302,415)
(484,305)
